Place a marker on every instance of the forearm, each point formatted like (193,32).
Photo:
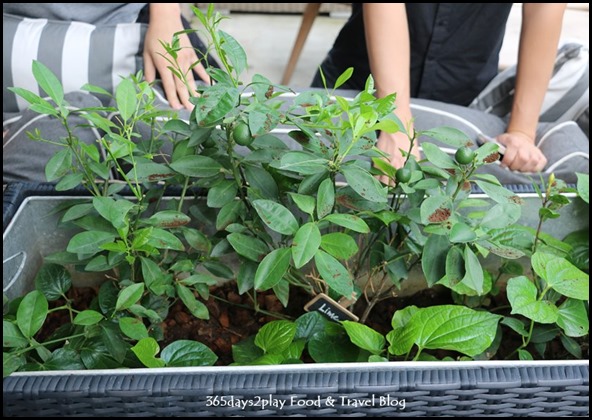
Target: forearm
(164,10)
(541,28)
(387,41)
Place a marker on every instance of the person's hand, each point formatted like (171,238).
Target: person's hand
(392,144)
(165,20)
(521,153)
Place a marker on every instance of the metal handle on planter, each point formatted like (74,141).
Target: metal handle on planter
(19,270)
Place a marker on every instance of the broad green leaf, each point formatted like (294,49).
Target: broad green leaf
(115,211)
(324,347)
(48,82)
(169,219)
(108,297)
(522,294)
(95,355)
(88,317)
(573,318)
(436,156)
(363,183)
(197,308)
(219,269)
(583,186)
(77,211)
(455,266)
(308,324)
(196,166)
(334,274)
(275,336)
(433,261)
(496,192)
(580,247)
(305,203)
(303,163)
(401,340)
(276,216)
(365,337)
(245,279)
(340,245)
(234,52)
(348,221)
(449,135)
(162,239)
(572,346)
(305,244)
(501,215)
(229,214)
(462,233)
(154,278)
(68,182)
(27,95)
(31,313)
(222,193)
(245,352)
(282,292)
(197,240)
(129,296)
(53,281)
(524,355)
(183,353)
(133,328)
(249,247)
(401,317)
(325,198)
(435,209)
(151,172)
(214,104)
(146,349)
(562,275)
(64,359)
(272,268)
(59,165)
(474,272)
(261,181)
(516,325)
(12,336)
(263,119)
(125,96)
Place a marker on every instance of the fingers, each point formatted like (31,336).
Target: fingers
(521,153)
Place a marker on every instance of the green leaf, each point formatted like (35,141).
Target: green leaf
(305,203)
(325,198)
(516,325)
(169,219)
(334,274)
(308,324)
(11,363)
(197,308)
(449,135)
(64,359)
(125,96)
(48,82)
(573,318)
(245,352)
(53,281)
(133,328)
(129,296)
(303,163)
(234,52)
(562,275)
(12,336)
(327,347)
(455,266)
(214,104)
(275,336)
(305,244)
(261,181)
(524,355)
(197,240)
(436,156)
(474,272)
(88,242)
(228,214)
(115,211)
(435,209)
(344,77)
(249,247)
(197,166)
(364,337)
(348,221)
(69,182)
(59,165)
(183,353)
(462,233)
(340,245)
(522,294)
(246,277)
(27,95)
(276,216)
(572,346)
(501,215)
(222,193)
(282,292)
(433,261)
(162,239)
(31,313)
(583,186)
(77,211)
(88,317)
(363,183)
(219,269)
(272,268)
(263,119)
(108,297)
(145,350)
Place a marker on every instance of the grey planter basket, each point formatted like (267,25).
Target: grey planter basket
(486,388)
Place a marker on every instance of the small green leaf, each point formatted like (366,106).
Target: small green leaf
(88,242)
(169,219)
(303,163)
(305,244)
(133,328)
(572,346)
(249,247)
(275,336)
(364,337)
(233,52)
(305,203)
(48,82)
(196,166)
(31,313)
(272,268)
(524,355)
(573,318)
(261,181)
(364,184)
(348,221)
(344,77)
(88,317)
(59,165)
(435,209)
(162,239)
(434,255)
(115,211)
(522,294)
(276,216)
(562,276)
(334,274)
(516,325)
(325,198)
(145,350)
(53,281)
(125,96)
(474,272)
(183,353)
(197,308)
(222,193)
(449,135)
(583,186)
(455,266)
(129,296)
(462,233)
(436,156)
(340,245)
(12,336)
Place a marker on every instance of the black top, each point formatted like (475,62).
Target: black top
(454,49)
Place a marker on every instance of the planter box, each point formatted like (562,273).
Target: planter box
(553,388)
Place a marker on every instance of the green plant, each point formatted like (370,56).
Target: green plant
(314,218)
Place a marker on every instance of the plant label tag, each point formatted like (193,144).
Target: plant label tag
(329,308)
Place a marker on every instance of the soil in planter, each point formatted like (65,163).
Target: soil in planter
(232,318)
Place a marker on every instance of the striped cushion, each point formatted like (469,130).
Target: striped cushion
(76,52)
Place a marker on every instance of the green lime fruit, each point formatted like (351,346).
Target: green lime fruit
(242,134)
(464,155)
(403,175)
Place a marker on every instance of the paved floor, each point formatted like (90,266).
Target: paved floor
(268,39)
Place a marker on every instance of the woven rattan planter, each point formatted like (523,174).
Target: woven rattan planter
(549,388)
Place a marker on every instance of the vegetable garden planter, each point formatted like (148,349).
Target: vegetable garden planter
(519,388)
